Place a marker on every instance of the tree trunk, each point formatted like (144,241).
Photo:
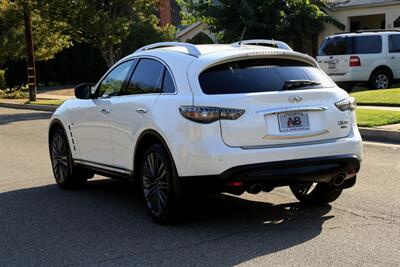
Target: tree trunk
(109,55)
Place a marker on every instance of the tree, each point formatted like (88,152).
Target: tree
(48,35)
(289,20)
(112,26)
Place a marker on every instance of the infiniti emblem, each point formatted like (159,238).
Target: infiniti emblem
(295,99)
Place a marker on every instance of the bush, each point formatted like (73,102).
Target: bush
(2,79)
(14,93)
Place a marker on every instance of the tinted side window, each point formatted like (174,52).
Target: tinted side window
(146,78)
(112,83)
(367,44)
(394,43)
(168,83)
(343,45)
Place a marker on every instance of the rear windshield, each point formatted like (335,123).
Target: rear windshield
(344,45)
(258,75)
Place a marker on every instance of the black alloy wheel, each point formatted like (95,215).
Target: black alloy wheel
(66,175)
(158,178)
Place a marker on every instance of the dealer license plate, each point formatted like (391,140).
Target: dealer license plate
(293,121)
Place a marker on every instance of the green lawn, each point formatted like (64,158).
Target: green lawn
(378,97)
(49,102)
(372,117)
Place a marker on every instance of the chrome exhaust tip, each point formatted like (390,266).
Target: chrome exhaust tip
(255,189)
(338,180)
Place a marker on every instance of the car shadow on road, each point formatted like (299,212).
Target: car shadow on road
(106,223)
(28,116)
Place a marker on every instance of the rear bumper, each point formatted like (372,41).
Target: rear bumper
(282,173)
(213,157)
(321,169)
(354,75)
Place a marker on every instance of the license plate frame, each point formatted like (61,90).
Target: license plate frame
(295,121)
(331,66)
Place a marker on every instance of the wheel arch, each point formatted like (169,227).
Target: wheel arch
(147,138)
(54,125)
(382,67)
(58,124)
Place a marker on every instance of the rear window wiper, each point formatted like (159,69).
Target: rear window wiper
(293,84)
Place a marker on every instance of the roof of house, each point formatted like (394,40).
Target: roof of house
(355,3)
(188,29)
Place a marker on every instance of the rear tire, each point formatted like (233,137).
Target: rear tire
(158,181)
(65,173)
(315,193)
(380,79)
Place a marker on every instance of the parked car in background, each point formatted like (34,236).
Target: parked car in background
(364,57)
(179,118)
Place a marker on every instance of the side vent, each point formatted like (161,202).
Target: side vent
(72,137)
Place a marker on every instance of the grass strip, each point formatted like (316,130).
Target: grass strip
(373,117)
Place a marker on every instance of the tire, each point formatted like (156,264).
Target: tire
(158,183)
(380,79)
(315,193)
(65,173)
(348,87)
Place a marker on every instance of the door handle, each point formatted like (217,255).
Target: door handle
(105,111)
(392,57)
(141,110)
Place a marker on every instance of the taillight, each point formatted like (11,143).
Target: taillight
(354,61)
(346,104)
(209,114)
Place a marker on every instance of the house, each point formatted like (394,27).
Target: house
(362,15)
(354,14)
(195,33)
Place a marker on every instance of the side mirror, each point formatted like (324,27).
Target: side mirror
(83,91)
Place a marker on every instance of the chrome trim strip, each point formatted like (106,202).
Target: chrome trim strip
(318,142)
(272,111)
(295,136)
(102,166)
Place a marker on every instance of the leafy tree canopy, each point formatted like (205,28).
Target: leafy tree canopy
(290,20)
(115,27)
(47,35)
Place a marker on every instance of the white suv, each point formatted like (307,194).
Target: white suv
(365,57)
(182,118)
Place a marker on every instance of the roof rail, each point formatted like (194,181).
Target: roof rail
(375,30)
(379,30)
(337,33)
(192,49)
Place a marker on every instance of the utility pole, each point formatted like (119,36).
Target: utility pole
(30,53)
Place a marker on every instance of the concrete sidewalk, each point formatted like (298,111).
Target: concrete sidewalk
(53,96)
(379,107)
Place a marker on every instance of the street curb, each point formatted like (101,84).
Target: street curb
(380,135)
(379,105)
(29,106)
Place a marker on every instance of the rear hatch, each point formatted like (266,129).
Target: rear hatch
(285,101)
(333,55)
(339,54)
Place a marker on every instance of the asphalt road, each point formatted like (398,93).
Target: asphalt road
(105,224)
